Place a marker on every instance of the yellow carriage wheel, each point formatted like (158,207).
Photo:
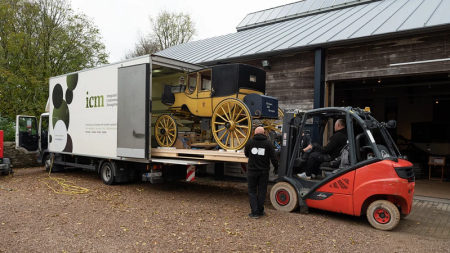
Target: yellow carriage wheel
(270,125)
(166,130)
(231,124)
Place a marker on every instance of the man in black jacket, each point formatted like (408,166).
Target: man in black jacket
(260,153)
(327,153)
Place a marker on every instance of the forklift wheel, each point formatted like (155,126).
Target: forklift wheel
(284,197)
(383,215)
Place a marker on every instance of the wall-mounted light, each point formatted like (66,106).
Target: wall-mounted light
(379,80)
(266,64)
(437,102)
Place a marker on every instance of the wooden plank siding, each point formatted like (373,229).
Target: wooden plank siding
(366,60)
(290,79)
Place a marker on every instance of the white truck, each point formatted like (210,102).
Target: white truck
(100,119)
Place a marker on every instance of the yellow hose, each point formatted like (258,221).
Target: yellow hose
(68,187)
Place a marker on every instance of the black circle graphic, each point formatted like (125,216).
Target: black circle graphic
(50,139)
(72,81)
(69,96)
(57,96)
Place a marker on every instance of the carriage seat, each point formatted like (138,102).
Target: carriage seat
(167,97)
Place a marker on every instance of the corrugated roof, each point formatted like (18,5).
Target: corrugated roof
(385,17)
(294,10)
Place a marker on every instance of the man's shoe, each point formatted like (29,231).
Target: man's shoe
(253,216)
(313,176)
(262,214)
(303,175)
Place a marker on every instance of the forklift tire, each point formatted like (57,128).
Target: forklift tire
(383,215)
(107,173)
(284,197)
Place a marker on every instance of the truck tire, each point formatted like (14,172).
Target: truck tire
(383,215)
(107,173)
(47,162)
(284,197)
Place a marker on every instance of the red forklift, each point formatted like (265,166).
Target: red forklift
(378,180)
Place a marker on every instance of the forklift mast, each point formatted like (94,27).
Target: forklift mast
(290,140)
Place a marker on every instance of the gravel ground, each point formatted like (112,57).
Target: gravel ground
(203,216)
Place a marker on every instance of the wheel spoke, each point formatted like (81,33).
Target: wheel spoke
(171,123)
(235,134)
(234,111)
(239,131)
(221,137)
(170,139)
(237,115)
(226,115)
(219,123)
(222,118)
(228,137)
(232,139)
(241,120)
(172,134)
(229,110)
(246,127)
(220,129)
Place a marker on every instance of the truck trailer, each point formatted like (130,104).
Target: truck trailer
(101,120)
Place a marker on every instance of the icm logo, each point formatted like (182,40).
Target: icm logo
(94,101)
(321,195)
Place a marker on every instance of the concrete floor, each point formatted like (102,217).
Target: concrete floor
(432,188)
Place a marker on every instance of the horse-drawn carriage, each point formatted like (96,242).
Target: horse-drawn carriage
(222,99)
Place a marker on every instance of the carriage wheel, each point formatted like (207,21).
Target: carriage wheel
(231,124)
(166,130)
(270,125)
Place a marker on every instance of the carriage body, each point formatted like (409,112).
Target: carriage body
(229,96)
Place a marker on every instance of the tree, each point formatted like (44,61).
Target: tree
(145,45)
(40,39)
(171,29)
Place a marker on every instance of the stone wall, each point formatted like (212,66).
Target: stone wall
(19,158)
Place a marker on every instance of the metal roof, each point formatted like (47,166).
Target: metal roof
(293,10)
(364,21)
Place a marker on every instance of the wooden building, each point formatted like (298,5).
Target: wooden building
(390,55)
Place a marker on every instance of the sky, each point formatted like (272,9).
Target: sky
(120,21)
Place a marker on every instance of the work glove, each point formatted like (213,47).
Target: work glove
(275,171)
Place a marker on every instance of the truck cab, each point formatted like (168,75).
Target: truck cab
(32,137)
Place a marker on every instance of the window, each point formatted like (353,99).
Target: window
(206,80)
(192,79)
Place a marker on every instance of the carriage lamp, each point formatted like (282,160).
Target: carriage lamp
(266,64)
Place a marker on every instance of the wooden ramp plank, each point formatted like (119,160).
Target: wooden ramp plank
(211,155)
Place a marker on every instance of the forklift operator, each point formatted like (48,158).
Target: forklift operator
(328,153)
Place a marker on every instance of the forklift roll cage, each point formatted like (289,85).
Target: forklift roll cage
(294,125)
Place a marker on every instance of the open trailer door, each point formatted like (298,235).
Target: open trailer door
(133,111)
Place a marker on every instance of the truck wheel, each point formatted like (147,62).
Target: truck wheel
(107,173)
(47,162)
(383,215)
(284,197)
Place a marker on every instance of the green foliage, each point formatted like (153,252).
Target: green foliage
(8,128)
(40,39)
